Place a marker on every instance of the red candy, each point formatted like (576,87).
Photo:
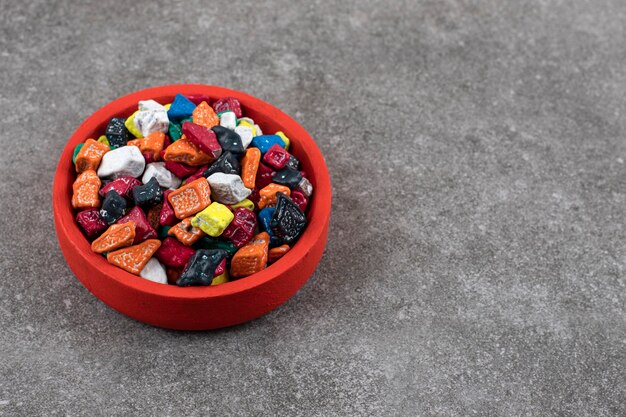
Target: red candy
(205,139)
(199,173)
(220,268)
(143,230)
(276,156)
(174,254)
(123,186)
(167,217)
(226,104)
(300,199)
(241,228)
(179,169)
(255,197)
(263,176)
(198,98)
(91,222)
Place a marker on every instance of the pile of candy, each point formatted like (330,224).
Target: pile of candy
(189,194)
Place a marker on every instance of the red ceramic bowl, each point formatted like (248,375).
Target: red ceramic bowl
(195,308)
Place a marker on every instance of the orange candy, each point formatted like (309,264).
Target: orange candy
(190,198)
(116,236)
(153,144)
(249,166)
(86,189)
(90,155)
(183,150)
(204,115)
(251,258)
(185,232)
(134,258)
(268,194)
(277,253)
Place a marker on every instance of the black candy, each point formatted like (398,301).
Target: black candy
(228,163)
(293,163)
(113,207)
(116,132)
(287,176)
(149,194)
(228,139)
(201,266)
(288,221)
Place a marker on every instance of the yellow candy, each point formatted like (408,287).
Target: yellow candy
(250,125)
(167,106)
(213,219)
(284,138)
(245,203)
(220,279)
(130,125)
(103,139)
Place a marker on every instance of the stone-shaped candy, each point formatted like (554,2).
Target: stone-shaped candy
(117,236)
(91,222)
(148,194)
(173,253)
(204,138)
(126,161)
(175,131)
(167,217)
(246,133)
(299,199)
(113,207)
(164,177)
(269,194)
(185,232)
(227,188)
(134,258)
(130,125)
(288,221)
(276,157)
(123,185)
(151,117)
(76,152)
(227,163)
(264,176)
(199,173)
(245,203)
(143,228)
(265,218)
(284,138)
(151,145)
(90,155)
(228,104)
(200,268)
(265,142)
(228,140)
(305,187)
(241,228)
(198,98)
(154,271)
(251,258)
(277,253)
(228,120)
(85,190)
(181,108)
(213,220)
(250,166)
(186,152)
(205,116)
(287,176)
(116,132)
(179,169)
(210,242)
(190,198)
(293,163)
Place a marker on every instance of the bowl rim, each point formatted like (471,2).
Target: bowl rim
(319,208)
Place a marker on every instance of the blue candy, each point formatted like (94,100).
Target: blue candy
(265,216)
(265,142)
(181,108)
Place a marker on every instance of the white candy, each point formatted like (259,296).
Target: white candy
(259,132)
(245,132)
(228,120)
(126,161)
(306,187)
(154,271)
(163,176)
(151,117)
(227,188)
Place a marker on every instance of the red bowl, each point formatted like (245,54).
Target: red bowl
(195,308)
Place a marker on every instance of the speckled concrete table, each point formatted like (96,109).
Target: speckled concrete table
(477,258)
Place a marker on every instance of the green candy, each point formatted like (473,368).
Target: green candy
(208,242)
(175,132)
(76,150)
(163,231)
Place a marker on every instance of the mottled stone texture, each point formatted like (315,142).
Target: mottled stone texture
(477,258)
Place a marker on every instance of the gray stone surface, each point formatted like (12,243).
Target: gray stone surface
(478,252)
